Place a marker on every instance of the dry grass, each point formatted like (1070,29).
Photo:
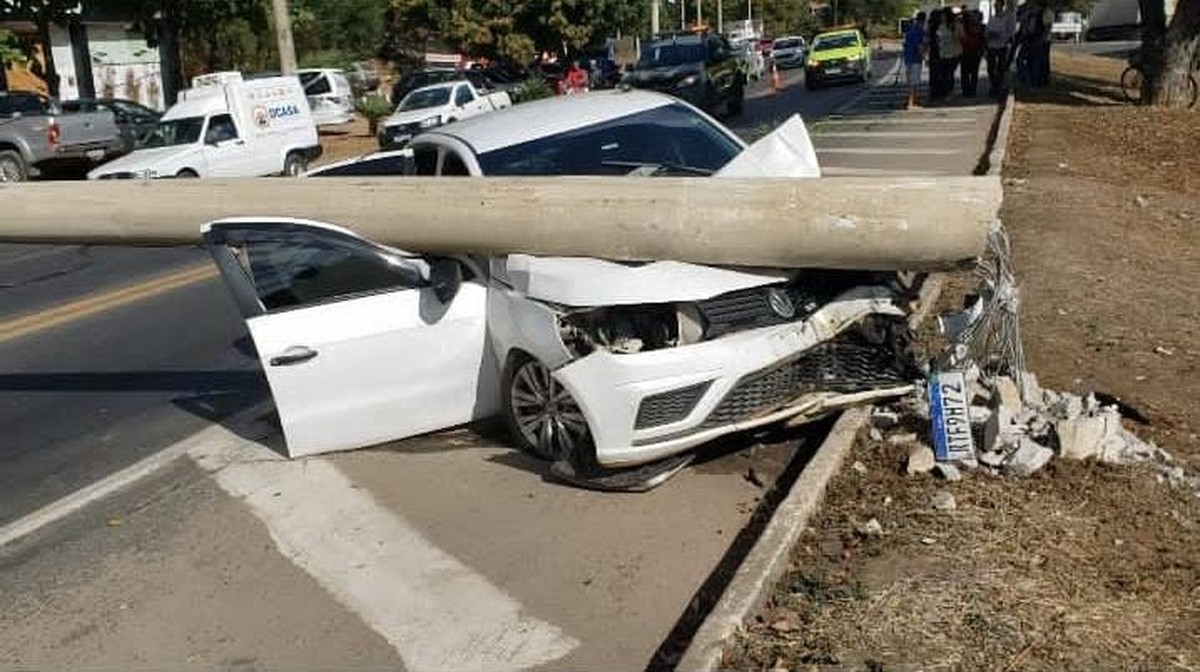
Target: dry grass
(1082,566)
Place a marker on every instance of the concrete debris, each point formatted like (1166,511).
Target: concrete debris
(1009,396)
(944,501)
(1142,201)
(859,467)
(979,415)
(1165,352)
(884,419)
(1000,431)
(1029,457)
(871,528)
(901,439)
(928,541)
(921,460)
(875,434)
(948,472)
(1031,393)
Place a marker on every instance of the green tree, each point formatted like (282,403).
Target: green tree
(1169,50)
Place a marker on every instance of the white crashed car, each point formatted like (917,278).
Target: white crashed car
(595,364)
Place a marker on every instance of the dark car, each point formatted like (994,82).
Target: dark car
(701,69)
(134,120)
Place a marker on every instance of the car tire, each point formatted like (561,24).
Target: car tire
(541,415)
(187,174)
(12,167)
(294,164)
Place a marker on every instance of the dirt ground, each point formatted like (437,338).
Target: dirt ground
(1083,565)
(346,141)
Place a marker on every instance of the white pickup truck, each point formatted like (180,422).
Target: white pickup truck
(434,105)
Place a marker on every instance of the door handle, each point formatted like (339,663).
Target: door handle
(293,355)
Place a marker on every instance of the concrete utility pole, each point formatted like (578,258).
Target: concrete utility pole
(283,37)
(699,14)
(720,19)
(655,8)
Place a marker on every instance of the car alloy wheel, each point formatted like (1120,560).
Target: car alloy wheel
(542,414)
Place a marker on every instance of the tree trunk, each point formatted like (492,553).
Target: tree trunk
(1169,53)
(3,76)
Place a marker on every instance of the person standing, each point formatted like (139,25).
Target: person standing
(936,76)
(949,39)
(1000,31)
(914,56)
(972,52)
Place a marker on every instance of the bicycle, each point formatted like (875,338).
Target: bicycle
(1131,82)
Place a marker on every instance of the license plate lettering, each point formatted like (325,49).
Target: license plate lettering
(949,408)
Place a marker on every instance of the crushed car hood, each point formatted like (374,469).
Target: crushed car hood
(586,282)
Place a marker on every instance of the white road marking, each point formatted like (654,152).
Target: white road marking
(887,151)
(893,134)
(437,612)
(840,171)
(78,500)
(894,119)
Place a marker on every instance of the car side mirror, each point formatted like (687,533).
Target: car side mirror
(445,278)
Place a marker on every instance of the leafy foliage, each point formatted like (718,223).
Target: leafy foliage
(373,108)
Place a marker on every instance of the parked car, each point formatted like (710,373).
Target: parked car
(482,78)
(329,96)
(701,69)
(134,120)
(225,126)
(838,55)
(434,105)
(37,135)
(788,52)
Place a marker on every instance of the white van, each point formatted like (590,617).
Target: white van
(225,126)
(329,95)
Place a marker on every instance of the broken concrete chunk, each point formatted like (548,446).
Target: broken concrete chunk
(1007,395)
(871,528)
(875,434)
(999,431)
(948,471)
(859,467)
(979,414)
(901,439)
(1079,438)
(944,501)
(921,460)
(992,458)
(1029,457)
(1031,392)
(884,419)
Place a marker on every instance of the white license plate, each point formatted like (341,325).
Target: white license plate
(834,71)
(94,154)
(951,419)
(401,137)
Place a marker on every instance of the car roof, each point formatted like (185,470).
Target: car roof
(838,33)
(549,116)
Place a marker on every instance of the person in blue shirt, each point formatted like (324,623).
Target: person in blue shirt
(914,56)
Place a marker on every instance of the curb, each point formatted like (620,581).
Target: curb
(1000,144)
(766,562)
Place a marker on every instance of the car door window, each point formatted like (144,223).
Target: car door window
(220,129)
(453,165)
(290,268)
(463,96)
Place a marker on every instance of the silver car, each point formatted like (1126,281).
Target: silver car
(789,52)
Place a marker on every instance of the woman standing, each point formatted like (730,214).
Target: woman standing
(972,52)
(949,39)
(936,76)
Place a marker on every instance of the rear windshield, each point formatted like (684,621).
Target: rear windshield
(25,103)
(425,98)
(786,44)
(668,54)
(669,140)
(830,42)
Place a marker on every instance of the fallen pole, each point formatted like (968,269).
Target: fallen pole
(850,223)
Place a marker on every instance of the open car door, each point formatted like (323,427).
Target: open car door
(361,344)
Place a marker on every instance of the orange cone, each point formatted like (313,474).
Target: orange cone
(776,80)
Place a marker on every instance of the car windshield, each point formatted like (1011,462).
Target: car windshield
(668,140)
(830,42)
(425,98)
(667,54)
(786,44)
(183,131)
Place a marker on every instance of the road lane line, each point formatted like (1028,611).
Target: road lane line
(887,151)
(438,613)
(87,306)
(78,500)
(894,134)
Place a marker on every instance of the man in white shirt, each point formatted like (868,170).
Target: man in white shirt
(1000,31)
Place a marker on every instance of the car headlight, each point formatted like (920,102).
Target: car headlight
(629,329)
(430,122)
(690,80)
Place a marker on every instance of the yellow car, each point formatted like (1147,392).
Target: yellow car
(837,55)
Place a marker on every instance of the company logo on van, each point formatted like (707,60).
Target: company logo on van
(263,116)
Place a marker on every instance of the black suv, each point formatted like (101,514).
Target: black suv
(701,69)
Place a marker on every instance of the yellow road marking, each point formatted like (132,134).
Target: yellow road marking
(77,310)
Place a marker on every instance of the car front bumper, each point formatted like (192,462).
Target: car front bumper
(646,406)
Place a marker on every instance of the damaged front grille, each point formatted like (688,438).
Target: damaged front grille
(754,308)
(848,364)
(671,406)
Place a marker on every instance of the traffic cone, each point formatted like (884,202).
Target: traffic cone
(776,81)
